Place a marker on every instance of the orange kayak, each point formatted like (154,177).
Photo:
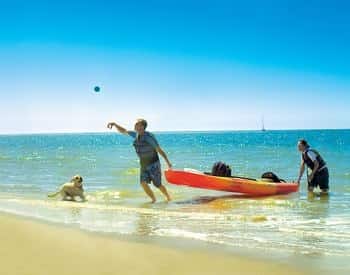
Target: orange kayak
(254,187)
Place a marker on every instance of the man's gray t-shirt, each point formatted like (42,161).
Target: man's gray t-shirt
(145,147)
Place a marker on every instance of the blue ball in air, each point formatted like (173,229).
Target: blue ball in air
(97,89)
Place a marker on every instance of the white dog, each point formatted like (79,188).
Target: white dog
(71,189)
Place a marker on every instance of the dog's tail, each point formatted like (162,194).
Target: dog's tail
(53,194)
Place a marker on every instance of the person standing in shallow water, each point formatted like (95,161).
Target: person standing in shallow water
(319,172)
(147,148)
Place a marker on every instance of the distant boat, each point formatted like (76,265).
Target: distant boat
(263,125)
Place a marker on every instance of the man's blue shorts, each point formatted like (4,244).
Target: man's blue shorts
(152,172)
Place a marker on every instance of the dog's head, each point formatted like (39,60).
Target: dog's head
(77,180)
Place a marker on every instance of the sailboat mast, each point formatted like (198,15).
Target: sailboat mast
(263,124)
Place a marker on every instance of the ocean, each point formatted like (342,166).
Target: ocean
(31,166)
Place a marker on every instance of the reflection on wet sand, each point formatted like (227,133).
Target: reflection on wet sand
(316,211)
(146,224)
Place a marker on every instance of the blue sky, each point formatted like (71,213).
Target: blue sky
(183,65)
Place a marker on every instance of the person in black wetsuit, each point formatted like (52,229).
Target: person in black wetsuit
(312,159)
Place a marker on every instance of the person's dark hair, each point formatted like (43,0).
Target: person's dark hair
(304,142)
(143,122)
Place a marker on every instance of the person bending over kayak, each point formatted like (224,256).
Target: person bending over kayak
(147,148)
(319,172)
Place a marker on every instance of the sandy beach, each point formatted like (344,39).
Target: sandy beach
(34,248)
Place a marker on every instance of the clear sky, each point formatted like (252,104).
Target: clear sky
(183,65)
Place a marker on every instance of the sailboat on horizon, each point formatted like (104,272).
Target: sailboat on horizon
(263,129)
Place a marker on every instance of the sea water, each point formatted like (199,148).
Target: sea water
(31,166)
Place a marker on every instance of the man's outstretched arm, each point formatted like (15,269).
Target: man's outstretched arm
(118,127)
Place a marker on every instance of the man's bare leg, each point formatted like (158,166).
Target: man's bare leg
(148,191)
(165,192)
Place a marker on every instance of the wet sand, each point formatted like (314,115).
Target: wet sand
(35,248)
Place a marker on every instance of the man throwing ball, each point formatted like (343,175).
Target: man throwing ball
(147,149)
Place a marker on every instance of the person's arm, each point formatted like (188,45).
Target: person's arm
(154,143)
(163,154)
(316,166)
(118,127)
(301,171)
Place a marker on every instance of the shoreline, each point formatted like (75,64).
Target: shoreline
(34,247)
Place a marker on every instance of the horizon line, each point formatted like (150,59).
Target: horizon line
(174,131)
